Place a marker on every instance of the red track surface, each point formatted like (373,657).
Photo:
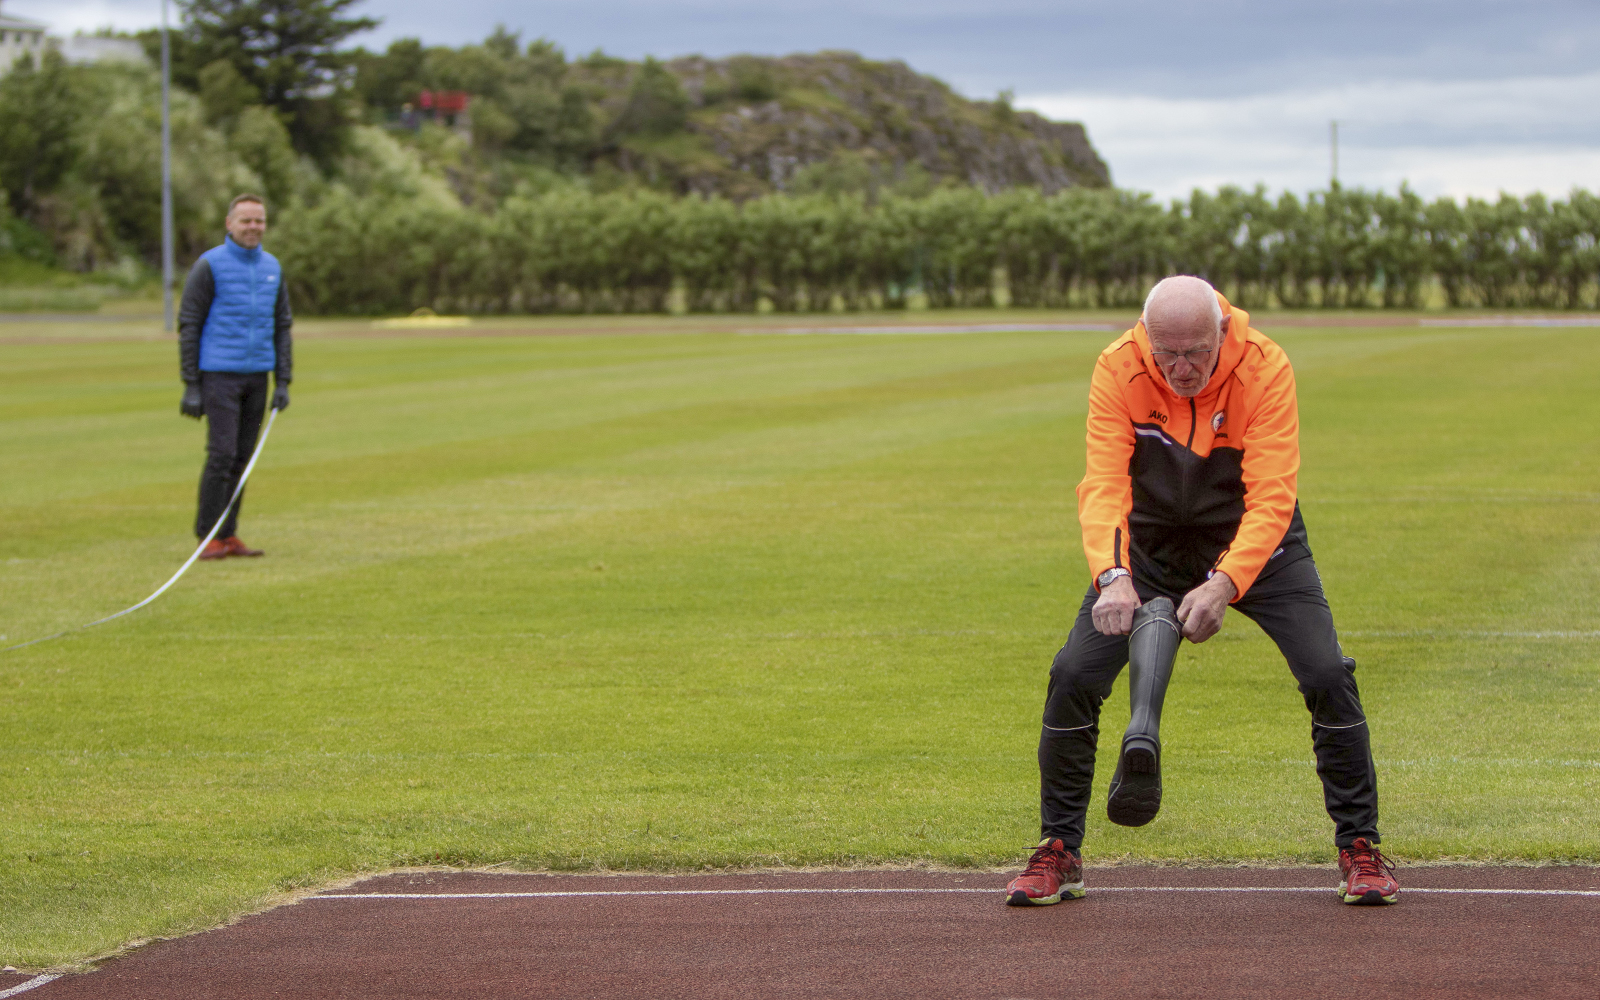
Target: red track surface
(1122,941)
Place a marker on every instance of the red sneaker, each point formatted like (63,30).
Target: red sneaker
(1366,877)
(1052,872)
(215,549)
(238,548)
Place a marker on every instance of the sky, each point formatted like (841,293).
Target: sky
(1466,97)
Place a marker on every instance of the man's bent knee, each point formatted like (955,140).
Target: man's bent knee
(1066,673)
(1330,691)
(1074,699)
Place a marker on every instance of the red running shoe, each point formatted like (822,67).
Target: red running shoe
(1052,872)
(1366,877)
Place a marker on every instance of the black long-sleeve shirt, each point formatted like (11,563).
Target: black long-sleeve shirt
(199,289)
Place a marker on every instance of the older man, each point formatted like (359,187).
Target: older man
(233,328)
(1189,498)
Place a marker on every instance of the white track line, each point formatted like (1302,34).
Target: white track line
(36,981)
(1512,321)
(962,328)
(919,891)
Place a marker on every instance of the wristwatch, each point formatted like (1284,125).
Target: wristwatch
(1104,579)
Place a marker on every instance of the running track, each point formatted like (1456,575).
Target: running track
(1142,932)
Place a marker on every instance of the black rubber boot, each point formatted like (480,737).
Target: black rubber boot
(1152,648)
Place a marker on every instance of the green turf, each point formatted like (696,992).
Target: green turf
(709,599)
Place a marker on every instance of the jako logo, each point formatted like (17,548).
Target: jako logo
(1157,415)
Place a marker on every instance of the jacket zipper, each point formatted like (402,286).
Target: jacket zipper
(1183,477)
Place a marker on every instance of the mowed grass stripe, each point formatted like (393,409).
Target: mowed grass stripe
(355,532)
(533,389)
(403,470)
(686,600)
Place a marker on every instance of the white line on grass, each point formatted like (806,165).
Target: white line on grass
(36,981)
(917,891)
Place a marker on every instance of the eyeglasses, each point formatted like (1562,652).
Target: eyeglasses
(1197,357)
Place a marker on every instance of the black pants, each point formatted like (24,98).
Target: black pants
(1290,607)
(235,406)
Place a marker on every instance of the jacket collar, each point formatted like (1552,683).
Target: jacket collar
(1232,351)
(243,253)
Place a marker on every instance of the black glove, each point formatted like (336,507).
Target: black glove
(280,396)
(191,405)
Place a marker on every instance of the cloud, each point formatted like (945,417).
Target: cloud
(68,16)
(1155,47)
(1443,137)
(1457,96)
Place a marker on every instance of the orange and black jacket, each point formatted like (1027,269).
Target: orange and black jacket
(1177,487)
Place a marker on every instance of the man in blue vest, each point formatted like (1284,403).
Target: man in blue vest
(233,328)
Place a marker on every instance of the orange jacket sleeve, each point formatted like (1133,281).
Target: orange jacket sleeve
(1106,494)
(1271,466)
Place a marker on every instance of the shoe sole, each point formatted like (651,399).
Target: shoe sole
(1016,897)
(1371,897)
(1135,796)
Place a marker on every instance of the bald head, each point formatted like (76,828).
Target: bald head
(1186,326)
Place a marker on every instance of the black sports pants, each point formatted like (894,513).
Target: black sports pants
(1290,607)
(235,405)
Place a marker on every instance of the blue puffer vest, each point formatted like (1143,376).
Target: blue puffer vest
(238,333)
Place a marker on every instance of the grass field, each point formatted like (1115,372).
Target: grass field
(680,599)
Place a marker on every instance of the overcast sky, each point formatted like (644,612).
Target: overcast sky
(1459,97)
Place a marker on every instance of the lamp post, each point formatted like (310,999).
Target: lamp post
(166,173)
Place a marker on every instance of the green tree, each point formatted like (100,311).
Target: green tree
(386,80)
(524,106)
(115,187)
(657,105)
(259,139)
(1446,229)
(1579,220)
(1401,247)
(288,50)
(1292,260)
(1493,249)
(255,132)
(707,239)
(224,92)
(38,117)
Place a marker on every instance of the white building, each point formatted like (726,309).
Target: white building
(81,48)
(18,37)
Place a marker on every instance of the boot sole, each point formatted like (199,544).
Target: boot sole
(1135,796)
(1017,897)
(1372,897)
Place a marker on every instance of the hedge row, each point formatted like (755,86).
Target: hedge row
(571,250)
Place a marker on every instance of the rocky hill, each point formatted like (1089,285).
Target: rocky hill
(742,126)
(835,118)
